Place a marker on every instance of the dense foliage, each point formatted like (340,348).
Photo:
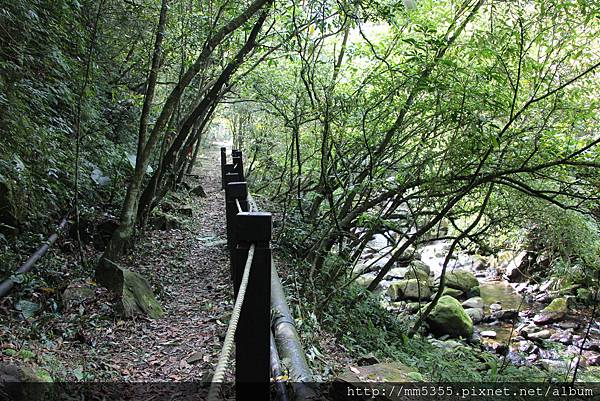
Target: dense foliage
(471,121)
(378,111)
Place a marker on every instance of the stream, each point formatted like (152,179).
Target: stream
(553,345)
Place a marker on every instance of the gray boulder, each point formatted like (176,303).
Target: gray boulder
(475,302)
(462,280)
(417,264)
(475,314)
(412,289)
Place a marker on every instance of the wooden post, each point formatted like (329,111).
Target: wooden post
(234,191)
(252,350)
(231,176)
(227,169)
(236,157)
(223,163)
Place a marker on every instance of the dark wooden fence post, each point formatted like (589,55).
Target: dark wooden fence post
(234,191)
(236,157)
(223,163)
(252,350)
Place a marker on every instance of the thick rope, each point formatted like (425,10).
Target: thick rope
(252,204)
(219,375)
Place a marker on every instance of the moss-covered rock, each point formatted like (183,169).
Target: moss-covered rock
(365,280)
(453,292)
(473,292)
(554,312)
(461,280)
(138,296)
(134,294)
(449,317)
(22,383)
(419,265)
(418,274)
(76,294)
(165,221)
(412,289)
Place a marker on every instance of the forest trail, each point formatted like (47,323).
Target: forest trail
(192,266)
(188,267)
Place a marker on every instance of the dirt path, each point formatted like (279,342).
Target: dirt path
(189,269)
(192,266)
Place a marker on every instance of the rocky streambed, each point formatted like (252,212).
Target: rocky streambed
(488,302)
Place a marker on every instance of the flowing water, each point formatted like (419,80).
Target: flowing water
(495,290)
(502,293)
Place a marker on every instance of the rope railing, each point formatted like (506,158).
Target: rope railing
(248,241)
(225,355)
(253,330)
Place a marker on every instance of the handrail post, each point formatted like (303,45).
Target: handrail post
(223,163)
(236,157)
(252,351)
(234,190)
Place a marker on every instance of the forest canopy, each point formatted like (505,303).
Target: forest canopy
(468,123)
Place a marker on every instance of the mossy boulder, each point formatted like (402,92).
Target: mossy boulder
(554,312)
(165,221)
(417,274)
(453,292)
(473,292)
(461,280)
(419,265)
(365,280)
(397,273)
(378,379)
(76,294)
(22,383)
(134,294)
(449,317)
(412,289)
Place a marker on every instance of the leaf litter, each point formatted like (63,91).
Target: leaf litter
(189,270)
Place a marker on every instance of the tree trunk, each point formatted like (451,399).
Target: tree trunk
(122,235)
(107,274)
(194,156)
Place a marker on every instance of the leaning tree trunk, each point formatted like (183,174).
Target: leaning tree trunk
(172,160)
(194,156)
(134,294)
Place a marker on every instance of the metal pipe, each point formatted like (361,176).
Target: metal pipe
(276,372)
(286,336)
(7,284)
(288,342)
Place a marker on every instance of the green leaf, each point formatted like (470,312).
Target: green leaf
(27,308)
(78,373)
